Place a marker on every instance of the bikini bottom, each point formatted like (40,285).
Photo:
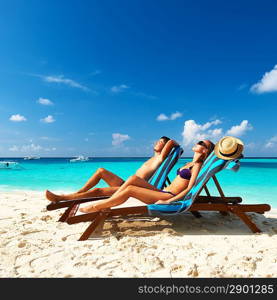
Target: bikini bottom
(167,192)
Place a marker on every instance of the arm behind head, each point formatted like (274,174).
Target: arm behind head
(167,149)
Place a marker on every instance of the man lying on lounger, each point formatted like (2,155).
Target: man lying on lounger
(161,149)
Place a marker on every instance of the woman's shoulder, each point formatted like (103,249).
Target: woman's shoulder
(197,165)
(186,165)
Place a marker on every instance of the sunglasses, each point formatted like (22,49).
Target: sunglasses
(201,143)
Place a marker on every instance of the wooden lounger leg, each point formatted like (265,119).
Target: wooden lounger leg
(65,215)
(99,229)
(96,225)
(223,213)
(246,220)
(70,211)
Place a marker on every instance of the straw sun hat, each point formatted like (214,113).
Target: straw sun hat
(228,148)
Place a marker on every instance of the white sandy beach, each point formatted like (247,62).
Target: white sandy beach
(34,244)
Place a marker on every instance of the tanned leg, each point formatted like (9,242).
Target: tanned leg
(110,178)
(96,192)
(137,181)
(143,194)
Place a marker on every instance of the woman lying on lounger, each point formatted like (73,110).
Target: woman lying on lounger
(140,189)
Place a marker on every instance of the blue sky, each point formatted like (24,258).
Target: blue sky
(107,78)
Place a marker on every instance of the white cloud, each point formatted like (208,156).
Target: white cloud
(272,142)
(239,130)
(14,148)
(119,138)
(119,88)
(116,89)
(268,83)
(50,149)
(44,101)
(25,148)
(48,119)
(30,148)
(173,116)
(17,118)
(66,81)
(162,117)
(47,138)
(215,132)
(193,132)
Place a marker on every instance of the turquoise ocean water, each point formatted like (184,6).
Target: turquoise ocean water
(255,182)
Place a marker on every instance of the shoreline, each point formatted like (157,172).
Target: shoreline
(34,244)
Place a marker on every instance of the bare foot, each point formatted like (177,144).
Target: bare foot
(89,209)
(52,197)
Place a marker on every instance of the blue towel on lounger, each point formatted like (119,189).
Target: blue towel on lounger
(211,166)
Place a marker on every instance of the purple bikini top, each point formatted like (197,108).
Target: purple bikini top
(184,173)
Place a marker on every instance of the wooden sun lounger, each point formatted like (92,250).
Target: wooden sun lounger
(222,204)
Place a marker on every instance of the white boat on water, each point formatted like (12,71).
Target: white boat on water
(8,164)
(80,158)
(31,157)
